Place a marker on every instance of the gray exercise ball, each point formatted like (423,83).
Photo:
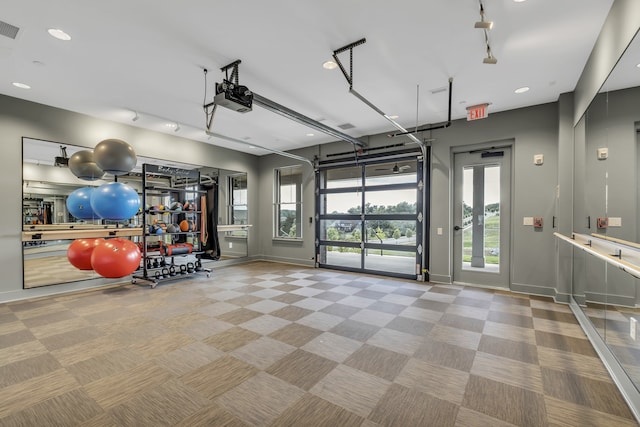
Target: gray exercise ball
(84,166)
(115,156)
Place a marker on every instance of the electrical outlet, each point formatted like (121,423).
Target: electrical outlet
(633,327)
(230,245)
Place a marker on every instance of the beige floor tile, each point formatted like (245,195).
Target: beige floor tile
(263,352)
(12,327)
(331,346)
(71,408)
(516,350)
(508,371)
(563,413)
(319,320)
(18,397)
(25,369)
(231,339)
(470,418)
(438,381)
(456,336)
(219,376)
(186,359)
(295,334)
(445,354)
(116,389)
(397,341)
(352,389)
(372,317)
(302,369)
(164,404)
(311,410)
(599,395)
(401,406)
(265,325)
(505,402)
(20,352)
(212,415)
(104,365)
(377,361)
(513,333)
(260,399)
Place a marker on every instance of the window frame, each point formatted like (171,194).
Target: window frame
(291,171)
(232,204)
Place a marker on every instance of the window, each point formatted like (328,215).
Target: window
(288,202)
(238,203)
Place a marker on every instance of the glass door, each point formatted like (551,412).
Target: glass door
(481,217)
(370,217)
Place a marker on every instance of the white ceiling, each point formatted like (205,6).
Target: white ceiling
(148,56)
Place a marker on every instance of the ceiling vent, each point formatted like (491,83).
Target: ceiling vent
(8,30)
(346,126)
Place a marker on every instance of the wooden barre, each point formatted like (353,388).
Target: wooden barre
(30,236)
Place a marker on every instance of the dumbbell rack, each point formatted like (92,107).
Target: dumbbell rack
(154,267)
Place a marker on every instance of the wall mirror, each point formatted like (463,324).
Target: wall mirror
(607,205)
(47,184)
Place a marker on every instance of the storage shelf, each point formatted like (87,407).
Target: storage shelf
(154,274)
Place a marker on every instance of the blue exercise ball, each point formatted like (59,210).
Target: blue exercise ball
(115,201)
(79,203)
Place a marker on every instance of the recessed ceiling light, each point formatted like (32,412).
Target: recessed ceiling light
(59,34)
(310,134)
(329,65)
(21,85)
(638,65)
(522,89)
(170,125)
(395,116)
(519,1)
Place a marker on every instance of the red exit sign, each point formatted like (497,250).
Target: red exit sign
(477,112)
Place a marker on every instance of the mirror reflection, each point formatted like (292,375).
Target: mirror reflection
(49,227)
(607,206)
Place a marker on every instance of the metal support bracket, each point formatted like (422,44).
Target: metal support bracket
(235,75)
(349,47)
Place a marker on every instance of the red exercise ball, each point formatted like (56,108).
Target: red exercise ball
(79,252)
(116,258)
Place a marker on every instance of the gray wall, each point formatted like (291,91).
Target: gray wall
(19,118)
(531,131)
(619,28)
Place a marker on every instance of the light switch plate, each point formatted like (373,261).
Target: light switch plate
(603,153)
(538,159)
(615,221)
(527,220)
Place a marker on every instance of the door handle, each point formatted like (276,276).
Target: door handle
(457,228)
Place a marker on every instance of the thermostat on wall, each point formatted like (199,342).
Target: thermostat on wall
(538,159)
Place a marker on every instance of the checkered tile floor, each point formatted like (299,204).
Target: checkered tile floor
(266,344)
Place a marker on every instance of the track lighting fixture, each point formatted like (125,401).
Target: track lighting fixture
(177,128)
(485,26)
(482,23)
(490,59)
(136,117)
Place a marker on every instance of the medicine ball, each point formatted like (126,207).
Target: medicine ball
(186,225)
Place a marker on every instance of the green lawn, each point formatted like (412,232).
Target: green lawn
(491,240)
